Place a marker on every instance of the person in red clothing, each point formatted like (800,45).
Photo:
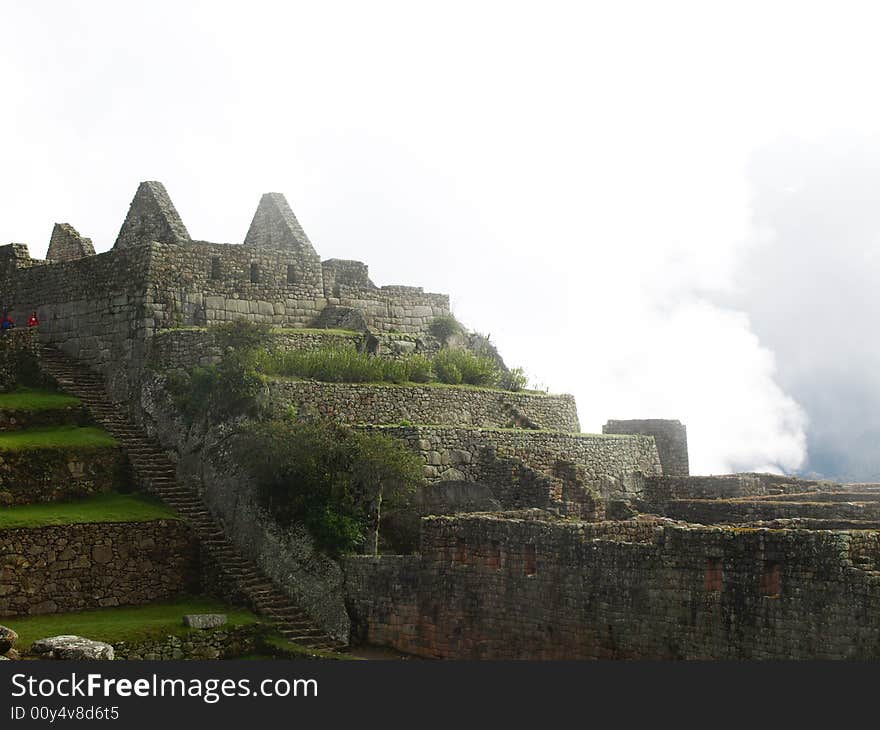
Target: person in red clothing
(33,320)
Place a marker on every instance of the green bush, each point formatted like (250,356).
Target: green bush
(232,386)
(455,366)
(420,370)
(514,379)
(444,327)
(333,480)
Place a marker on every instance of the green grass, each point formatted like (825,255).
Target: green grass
(56,437)
(314,331)
(35,399)
(130,624)
(100,508)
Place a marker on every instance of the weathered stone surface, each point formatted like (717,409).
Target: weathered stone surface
(508,587)
(224,643)
(275,226)
(69,647)
(670,437)
(7,639)
(67,245)
(79,567)
(151,217)
(204,620)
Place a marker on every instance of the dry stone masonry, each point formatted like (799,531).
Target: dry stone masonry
(528,539)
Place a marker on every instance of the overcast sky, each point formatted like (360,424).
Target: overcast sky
(668,209)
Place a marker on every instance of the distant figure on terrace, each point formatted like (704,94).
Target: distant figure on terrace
(8,324)
(33,320)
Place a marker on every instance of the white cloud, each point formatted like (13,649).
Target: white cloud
(575,175)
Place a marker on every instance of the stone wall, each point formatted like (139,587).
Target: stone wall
(79,567)
(670,437)
(223,643)
(185,348)
(730,512)
(288,557)
(437,405)
(611,464)
(47,475)
(406,309)
(18,359)
(656,491)
(487,587)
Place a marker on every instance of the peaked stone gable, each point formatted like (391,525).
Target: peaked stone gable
(151,217)
(275,226)
(67,245)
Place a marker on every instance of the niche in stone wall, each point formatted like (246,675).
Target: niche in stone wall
(714,578)
(530,560)
(493,555)
(292,277)
(255,273)
(770,579)
(460,555)
(215,267)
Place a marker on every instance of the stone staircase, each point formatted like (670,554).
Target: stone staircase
(155,473)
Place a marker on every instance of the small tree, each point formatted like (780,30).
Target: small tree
(331,478)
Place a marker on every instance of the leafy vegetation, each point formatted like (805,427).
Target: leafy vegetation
(346,365)
(131,624)
(514,379)
(36,399)
(232,386)
(100,508)
(445,327)
(56,437)
(334,480)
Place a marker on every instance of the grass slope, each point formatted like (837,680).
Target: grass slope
(130,623)
(100,508)
(57,437)
(35,399)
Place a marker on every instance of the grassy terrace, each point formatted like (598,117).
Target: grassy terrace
(33,399)
(386,384)
(100,508)
(57,437)
(130,624)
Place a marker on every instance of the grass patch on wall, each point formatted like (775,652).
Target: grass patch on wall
(131,623)
(36,399)
(100,508)
(57,437)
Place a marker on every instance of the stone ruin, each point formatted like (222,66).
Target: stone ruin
(529,539)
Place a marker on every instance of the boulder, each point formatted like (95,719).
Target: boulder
(204,620)
(71,647)
(7,639)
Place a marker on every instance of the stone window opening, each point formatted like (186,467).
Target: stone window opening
(714,577)
(460,551)
(530,560)
(291,274)
(770,579)
(255,273)
(215,267)
(493,558)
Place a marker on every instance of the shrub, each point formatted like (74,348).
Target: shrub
(455,366)
(444,327)
(514,379)
(420,370)
(332,479)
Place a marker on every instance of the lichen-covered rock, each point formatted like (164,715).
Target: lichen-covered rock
(71,647)
(204,620)
(7,639)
